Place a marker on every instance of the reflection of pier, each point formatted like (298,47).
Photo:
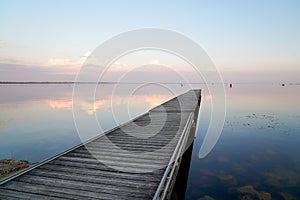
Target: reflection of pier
(118,164)
(180,185)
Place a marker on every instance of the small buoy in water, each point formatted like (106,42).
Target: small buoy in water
(282,84)
(230,85)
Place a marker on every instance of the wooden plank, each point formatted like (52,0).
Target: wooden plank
(103,151)
(106,188)
(98,179)
(117,157)
(111,167)
(82,171)
(12,195)
(105,154)
(127,163)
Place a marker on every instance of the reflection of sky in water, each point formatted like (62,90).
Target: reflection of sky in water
(258,151)
(259,146)
(36,121)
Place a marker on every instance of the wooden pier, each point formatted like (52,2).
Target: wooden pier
(143,168)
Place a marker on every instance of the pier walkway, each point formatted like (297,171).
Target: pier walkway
(137,160)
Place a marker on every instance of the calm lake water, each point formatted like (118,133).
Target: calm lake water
(257,155)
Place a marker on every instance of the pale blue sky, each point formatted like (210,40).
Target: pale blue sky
(238,35)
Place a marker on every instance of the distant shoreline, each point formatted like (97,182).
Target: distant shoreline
(74,82)
(49,82)
(113,82)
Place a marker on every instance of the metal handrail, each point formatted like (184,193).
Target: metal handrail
(174,158)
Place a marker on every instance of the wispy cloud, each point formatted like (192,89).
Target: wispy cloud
(55,69)
(68,62)
(19,72)
(60,62)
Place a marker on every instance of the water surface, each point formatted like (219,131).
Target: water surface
(256,156)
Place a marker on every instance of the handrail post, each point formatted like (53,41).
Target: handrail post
(175,157)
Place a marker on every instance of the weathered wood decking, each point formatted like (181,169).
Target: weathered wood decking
(139,165)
